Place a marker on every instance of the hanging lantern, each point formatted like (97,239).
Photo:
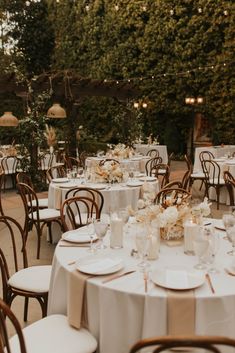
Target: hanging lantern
(56,111)
(8,119)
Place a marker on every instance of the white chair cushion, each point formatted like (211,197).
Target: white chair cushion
(221,181)
(53,334)
(198,175)
(32,279)
(47,213)
(41,203)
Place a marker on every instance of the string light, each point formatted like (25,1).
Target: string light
(174,74)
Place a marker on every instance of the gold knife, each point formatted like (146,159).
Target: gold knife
(210,283)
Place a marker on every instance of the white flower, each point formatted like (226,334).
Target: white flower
(168,216)
(140,204)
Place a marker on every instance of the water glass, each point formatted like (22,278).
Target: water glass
(142,244)
(91,233)
(201,246)
(101,228)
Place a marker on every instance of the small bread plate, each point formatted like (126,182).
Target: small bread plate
(97,186)
(78,236)
(177,279)
(60,180)
(148,178)
(99,265)
(134,183)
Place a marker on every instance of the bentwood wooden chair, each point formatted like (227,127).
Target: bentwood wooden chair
(25,281)
(76,211)
(71,162)
(230,184)
(162,172)
(153,153)
(214,178)
(10,165)
(51,333)
(56,172)
(23,177)
(2,175)
(176,195)
(215,344)
(93,194)
(200,175)
(182,184)
(151,163)
(34,216)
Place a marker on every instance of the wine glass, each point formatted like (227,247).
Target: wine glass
(101,228)
(214,241)
(201,245)
(124,215)
(228,221)
(141,239)
(231,236)
(91,233)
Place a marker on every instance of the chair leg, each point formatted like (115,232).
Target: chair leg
(217,196)
(26,304)
(39,233)
(49,231)
(201,185)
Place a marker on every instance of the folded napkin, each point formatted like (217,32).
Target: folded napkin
(180,312)
(57,198)
(77,305)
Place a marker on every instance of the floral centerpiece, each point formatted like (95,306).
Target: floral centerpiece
(121,151)
(109,172)
(172,216)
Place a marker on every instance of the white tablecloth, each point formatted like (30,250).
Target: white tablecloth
(116,196)
(120,312)
(143,148)
(135,163)
(217,151)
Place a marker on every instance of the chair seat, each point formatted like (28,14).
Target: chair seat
(53,334)
(32,279)
(221,182)
(46,213)
(162,171)
(197,175)
(41,203)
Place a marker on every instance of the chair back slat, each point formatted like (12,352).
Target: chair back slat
(76,211)
(6,313)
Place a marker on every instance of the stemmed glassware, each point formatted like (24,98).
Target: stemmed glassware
(91,233)
(228,221)
(214,241)
(142,243)
(201,246)
(230,229)
(101,228)
(124,215)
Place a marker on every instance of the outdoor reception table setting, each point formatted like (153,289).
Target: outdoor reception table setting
(144,148)
(223,152)
(122,298)
(119,191)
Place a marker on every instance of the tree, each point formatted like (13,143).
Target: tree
(32,35)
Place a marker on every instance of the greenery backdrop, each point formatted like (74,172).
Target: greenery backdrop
(170,49)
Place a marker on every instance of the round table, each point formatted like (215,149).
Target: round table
(144,148)
(116,196)
(120,312)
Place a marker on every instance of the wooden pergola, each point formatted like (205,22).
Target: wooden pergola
(68,85)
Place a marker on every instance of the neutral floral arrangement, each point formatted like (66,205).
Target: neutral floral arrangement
(109,172)
(172,216)
(121,151)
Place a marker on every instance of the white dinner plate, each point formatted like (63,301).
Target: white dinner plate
(60,180)
(136,158)
(134,183)
(148,178)
(178,279)
(69,185)
(99,265)
(230,162)
(78,236)
(97,186)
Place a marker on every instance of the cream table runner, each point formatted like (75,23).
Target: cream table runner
(180,312)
